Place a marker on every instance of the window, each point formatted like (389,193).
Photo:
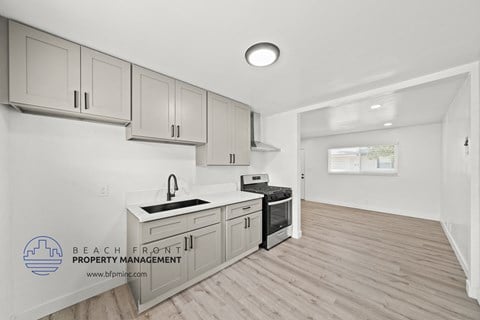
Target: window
(379,159)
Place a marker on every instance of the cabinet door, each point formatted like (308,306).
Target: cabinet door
(241,134)
(105,85)
(153,104)
(190,113)
(236,241)
(254,230)
(44,69)
(205,250)
(220,129)
(162,277)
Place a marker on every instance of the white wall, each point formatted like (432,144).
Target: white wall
(456,175)
(57,169)
(281,130)
(415,191)
(5,218)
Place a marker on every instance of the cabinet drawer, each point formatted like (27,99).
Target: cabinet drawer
(243,208)
(203,218)
(163,228)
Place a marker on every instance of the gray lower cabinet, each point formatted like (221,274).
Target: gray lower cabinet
(243,233)
(162,277)
(199,251)
(205,250)
(204,242)
(254,230)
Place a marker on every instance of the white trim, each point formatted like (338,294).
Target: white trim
(67,300)
(475,181)
(461,259)
(297,234)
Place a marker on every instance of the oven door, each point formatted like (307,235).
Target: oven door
(279,215)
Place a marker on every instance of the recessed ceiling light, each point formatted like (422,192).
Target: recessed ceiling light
(388,124)
(262,54)
(376,106)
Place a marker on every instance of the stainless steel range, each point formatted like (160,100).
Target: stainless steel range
(277,208)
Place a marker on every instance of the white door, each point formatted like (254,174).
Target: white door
(302,173)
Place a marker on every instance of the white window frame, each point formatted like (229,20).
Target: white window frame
(379,172)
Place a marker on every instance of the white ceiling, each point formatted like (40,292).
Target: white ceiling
(328,48)
(426,103)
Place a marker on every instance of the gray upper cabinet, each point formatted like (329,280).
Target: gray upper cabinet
(54,76)
(241,134)
(190,113)
(220,122)
(44,69)
(166,109)
(228,133)
(153,105)
(105,85)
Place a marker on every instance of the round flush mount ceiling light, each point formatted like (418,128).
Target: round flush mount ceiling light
(388,124)
(376,106)
(262,54)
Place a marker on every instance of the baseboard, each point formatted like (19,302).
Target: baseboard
(460,257)
(374,208)
(65,301)
(472,291)
(297,234)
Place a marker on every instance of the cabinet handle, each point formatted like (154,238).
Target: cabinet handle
(245,227)
(191,242)
(75,99)
(248,222)
(86,100)
(230,157)
(178,131)
(186,248)
(234,158)
(173,131)
(246,208)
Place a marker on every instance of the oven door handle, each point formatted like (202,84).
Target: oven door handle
(279,202)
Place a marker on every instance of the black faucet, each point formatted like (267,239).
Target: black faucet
(170,195)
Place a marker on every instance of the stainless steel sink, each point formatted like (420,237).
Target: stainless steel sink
(174,205)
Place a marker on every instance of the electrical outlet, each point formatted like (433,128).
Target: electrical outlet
(104,191)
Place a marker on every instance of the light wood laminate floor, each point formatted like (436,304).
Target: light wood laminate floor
(349,264)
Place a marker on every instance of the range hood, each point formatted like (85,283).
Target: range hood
(256,143)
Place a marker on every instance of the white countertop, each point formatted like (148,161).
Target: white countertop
(215,200)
